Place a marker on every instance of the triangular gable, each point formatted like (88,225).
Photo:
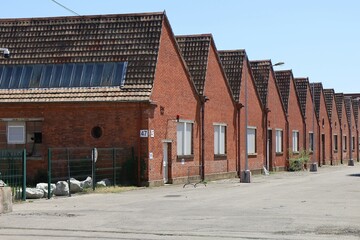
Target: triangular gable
(261,73)
(349,109)
(131,38)
(283,79)
(316,90)
(329,97)
(339,99)
(355,103)
(232,62)
(195,51)
(302,85)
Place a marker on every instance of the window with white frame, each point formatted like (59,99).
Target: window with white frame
(344,143)
(16,132)
(184,138)
(295,141)
(279,141)
(335,142)
(311,141)
(219,139)
(251,140)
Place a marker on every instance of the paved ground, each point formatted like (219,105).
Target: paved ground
(304,205)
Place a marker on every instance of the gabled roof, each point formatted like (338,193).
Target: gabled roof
(339,99)
(329,96)
(195,51)
(284,79)
(355,104)
(261,72)
(131,38)
(348,107)
(316,89)
(232,62)
(302,85)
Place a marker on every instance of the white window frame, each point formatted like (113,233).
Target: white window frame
(184,141)
(295,141)
(336,142)
(311,141)
(251,140)
(220,138)
(16,126)
(279,140)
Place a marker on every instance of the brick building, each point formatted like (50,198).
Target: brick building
(335,153)
(352,128)
(96,81)
(324,144)
(344,127)
(355,102)
(295,118)
(218,108)
(237,67)
(274,115)
(311,122)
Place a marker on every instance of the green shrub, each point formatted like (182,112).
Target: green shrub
(298,161)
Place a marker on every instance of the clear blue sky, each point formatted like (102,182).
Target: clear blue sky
(319,39)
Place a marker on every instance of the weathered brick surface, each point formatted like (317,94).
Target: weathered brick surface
(325,132)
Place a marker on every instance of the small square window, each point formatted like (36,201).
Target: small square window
(16,133)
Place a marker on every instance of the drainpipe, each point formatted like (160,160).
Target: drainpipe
(203,100)
(238,108)
(287,129)
(342,147)
(267,160)
(139,147)
(331,144)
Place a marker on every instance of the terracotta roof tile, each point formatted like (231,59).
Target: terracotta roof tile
(348,107)
(132,38)
(283,79)
(329,96)
(316,89)
(339,99)
(261,73)
(195,51)
(232,62)
(302,85)
(355,104)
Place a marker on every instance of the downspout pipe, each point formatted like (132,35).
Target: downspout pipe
(331,145)
(287,129)
(203,100)
(267,151)
(139,147)
(239,106)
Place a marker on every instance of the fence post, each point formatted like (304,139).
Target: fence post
(114,166)
(24,176)
(49,173)
(68,166)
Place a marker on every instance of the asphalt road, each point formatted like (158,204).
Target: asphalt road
(301,205)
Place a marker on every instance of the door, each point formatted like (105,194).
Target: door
(165,163)
(323,148)
(269,150)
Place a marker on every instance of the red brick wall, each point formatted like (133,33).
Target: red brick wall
(336,130)
(324,124)
(219,108)
(70,125)
(345,132)
(276,120)
(255,119)
(353,134)
(295,118)
(311,125)
(174,95)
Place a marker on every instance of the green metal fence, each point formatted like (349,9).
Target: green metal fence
(13,171)
(118,165)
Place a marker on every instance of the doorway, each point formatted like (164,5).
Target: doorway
(269,151)
(166,162)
